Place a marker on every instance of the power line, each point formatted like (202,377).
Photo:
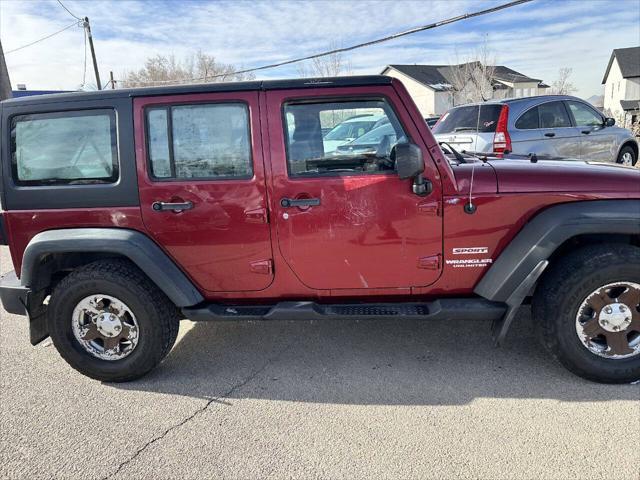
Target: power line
(43,38)
(69,11)
(84,68)
(359,45)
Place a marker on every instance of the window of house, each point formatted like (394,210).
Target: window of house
(553,115)
(73,147)
(584,115)
(528,120)
(204,141)
(358,137)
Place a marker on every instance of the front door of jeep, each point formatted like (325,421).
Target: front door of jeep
(202,186)
(344,219)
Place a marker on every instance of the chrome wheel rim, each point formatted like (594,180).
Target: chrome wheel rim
(608,321)
(105,327)
(627,159)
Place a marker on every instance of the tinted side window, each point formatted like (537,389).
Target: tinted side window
(584,115)
(528,120)
(360,137)
(553,115)
(481,118)
(199,141)
(75,147)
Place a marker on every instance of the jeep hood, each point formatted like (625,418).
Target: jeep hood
(517,176)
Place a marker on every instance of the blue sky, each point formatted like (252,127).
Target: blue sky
(536,39)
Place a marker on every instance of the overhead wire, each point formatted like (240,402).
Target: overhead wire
(69,11)
(84,68)
(43,38)
(359,45)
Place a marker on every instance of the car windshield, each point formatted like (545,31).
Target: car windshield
(482,118)
(349,130)
(375,136)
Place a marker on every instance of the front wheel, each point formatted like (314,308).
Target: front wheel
(110,322)
(587,312)
(627,157)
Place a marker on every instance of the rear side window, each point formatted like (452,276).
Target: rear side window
(528,120)
(204,141)
(553,115)
(481,118)
(74,147)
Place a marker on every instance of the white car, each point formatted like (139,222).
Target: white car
(350,129)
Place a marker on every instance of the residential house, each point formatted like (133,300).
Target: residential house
(622,85)
(431,86)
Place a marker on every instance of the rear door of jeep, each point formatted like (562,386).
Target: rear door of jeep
(343,217)
(202,186)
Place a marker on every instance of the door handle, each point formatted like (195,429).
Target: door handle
(550,134)
(586,132)
(173,206)
(299,202)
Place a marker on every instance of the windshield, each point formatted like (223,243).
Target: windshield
(376,135)
(349,130)
(466,119)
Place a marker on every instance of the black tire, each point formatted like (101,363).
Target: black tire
(158,319)
(559,295)
(627,149)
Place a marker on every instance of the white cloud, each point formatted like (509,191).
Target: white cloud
(537,38)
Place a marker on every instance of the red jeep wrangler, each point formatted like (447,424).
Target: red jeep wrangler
(127,210)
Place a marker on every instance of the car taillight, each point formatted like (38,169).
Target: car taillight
(501,139)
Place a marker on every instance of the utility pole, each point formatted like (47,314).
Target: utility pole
(5,83)
(112,81)
(87,27)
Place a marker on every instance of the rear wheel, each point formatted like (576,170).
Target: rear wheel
(627,156)
(587,312)
(110,322)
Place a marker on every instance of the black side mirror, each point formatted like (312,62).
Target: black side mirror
(409,164)
(408,158)
(609,122)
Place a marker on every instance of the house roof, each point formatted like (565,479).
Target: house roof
(501,72)
(630,105)
(628,61)
(439,77)
(429,75)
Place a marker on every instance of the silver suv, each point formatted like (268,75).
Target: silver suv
(554,125)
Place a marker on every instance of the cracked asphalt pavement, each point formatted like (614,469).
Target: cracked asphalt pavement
(378,399)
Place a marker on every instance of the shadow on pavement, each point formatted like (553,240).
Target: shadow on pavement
(380,362)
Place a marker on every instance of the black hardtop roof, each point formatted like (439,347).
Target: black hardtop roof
(351,81)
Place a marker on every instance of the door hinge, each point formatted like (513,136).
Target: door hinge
(432,208)
(264,267)
(430,263)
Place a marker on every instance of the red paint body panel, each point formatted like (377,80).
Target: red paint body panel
(369,230)
(497,221)
(23,225)
(226,233)
(521,176)
(370,239)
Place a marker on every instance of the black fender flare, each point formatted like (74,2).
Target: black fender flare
(134,245)
(523,261)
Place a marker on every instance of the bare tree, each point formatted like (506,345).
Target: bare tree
(472,79)
(331,65)
(199,68)
(562,85)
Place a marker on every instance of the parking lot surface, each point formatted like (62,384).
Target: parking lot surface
(377,399)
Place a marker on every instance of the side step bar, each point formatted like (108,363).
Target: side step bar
(444,309)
